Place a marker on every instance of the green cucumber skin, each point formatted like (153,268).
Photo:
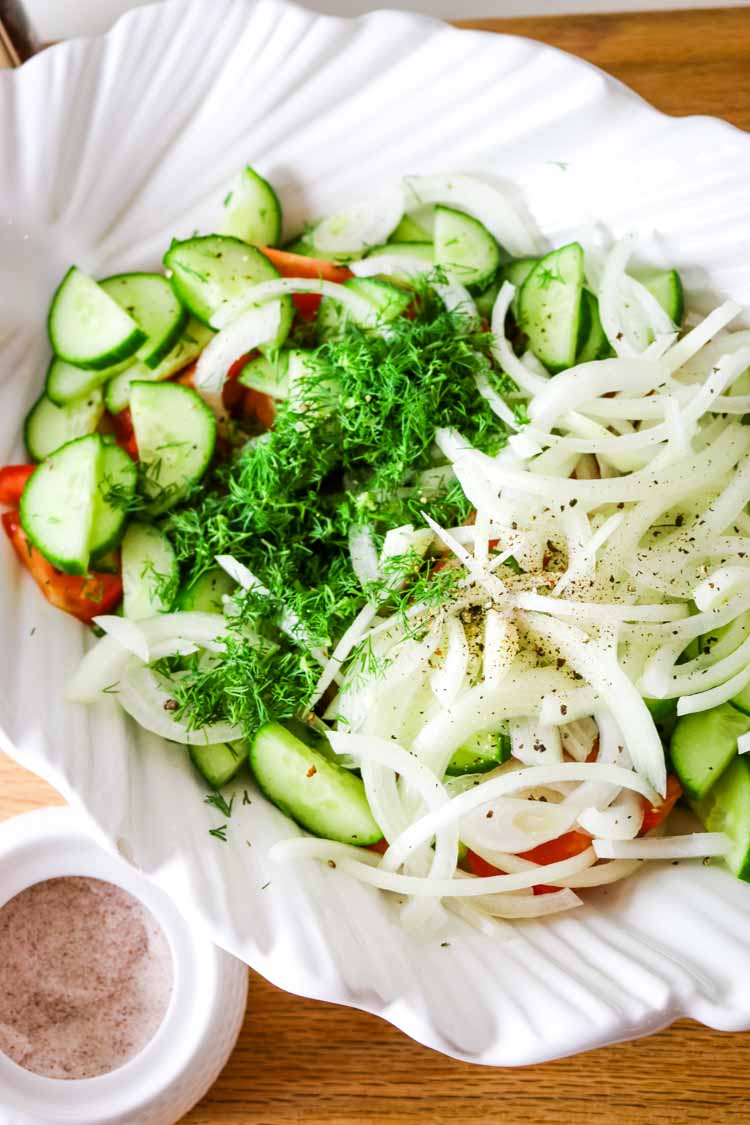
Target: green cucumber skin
(205,593)
(161,400)
(726,808)
(124,351)
(169,340)
(76,565)
(219,763)
(108,521)
(34,441)
(149,570)
(213,247)
(474,276)
(266,231)
(704,745)
(538,317)
(467,761)
(61,394)
(320,795)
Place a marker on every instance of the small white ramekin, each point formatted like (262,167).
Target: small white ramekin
(173,1071)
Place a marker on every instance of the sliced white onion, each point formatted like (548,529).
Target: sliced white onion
(358,863)
(693,846)
(527,380)
(127,633)
(599,875)
(145,700)
(621,821)
(500,646)
(490,582)
(242,334)
(514,825)
(422,830)
(743,743)
(258,295)
(611,294)
(616,690)
(599,611)
(361,225)
(699,336)
(364,556)
(482,200)
(166,634)
(390,265)
(578,386)
(529,906)
(447,680)
(496,402)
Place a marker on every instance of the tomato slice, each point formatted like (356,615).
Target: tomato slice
(12,481)
(297,265)
(564,847)
(122,423)
(655,814)
(83,597)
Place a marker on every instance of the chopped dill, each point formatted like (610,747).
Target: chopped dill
(219,801)
(354,446)
(220,833)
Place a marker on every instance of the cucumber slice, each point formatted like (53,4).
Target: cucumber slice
(205,594)
(485,301)
(270,377)
(252,210)
(549,306)
(149,572)
(176,435)
(409,231)
(389,300)
(214,270)
(152,303)
(65,383)
(666,286)
(465,247)
(188,347)
(320,795)
(219,763)
(57,505)
(726,808)
(516,273)
(704,744)
(117,479)
(87,328)
(742,700)
(592,341)
(48,426)
(480,753)
(661,709)
(423,251)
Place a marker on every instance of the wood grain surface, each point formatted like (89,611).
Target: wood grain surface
(297,1060)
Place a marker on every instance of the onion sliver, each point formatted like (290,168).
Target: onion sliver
(507,783)
(480,199)
(617,692)
(144,699)
(356,862)
(104,663)
(692,846)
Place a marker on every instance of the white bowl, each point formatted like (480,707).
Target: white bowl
(110,146)
(200,1027)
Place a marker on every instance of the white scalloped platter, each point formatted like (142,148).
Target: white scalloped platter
(108,148)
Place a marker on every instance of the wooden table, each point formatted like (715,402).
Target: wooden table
(302,1061)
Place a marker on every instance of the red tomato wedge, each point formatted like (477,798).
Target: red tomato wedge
(83,597)
(297,265)
(124,432)
(564,847)
(655,814)
(12,481)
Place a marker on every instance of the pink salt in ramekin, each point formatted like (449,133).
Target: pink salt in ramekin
(178,1065)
